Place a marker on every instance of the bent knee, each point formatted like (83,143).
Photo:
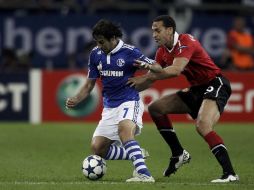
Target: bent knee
(126,131)
(203,126)
(150,108)
(99,150)
(154,109)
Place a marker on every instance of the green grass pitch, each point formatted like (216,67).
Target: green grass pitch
(49,156)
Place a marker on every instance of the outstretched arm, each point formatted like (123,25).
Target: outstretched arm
(143,82)
(157,73)
(171,71)
(154,68)
(82,94)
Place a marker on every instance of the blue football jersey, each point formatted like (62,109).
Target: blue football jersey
(114,69)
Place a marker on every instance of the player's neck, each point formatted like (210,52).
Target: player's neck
(169,46)
(170,43)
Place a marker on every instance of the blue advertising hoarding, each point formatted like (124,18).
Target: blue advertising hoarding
(52,38)
(14,97)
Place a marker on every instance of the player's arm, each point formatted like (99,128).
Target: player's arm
(171,71)
(143,82)
(82,94)
(154,68)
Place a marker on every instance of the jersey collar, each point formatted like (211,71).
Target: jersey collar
(176,36)
(118,47)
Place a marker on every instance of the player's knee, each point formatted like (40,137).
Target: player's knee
(126,132)
(121,131)
(152,109)
(203,126)
(99,150)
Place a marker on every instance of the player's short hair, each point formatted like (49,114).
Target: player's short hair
(167,20)
(107,29)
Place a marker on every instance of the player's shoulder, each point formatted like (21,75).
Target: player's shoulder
(95,55)
(128,47)
(186,38)
(96,51)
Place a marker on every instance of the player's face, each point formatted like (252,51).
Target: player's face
(104,44)
(161,34)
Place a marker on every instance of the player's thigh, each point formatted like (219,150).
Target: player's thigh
(215,99)
(108,125)
(169,104)
(131,110)
(208,114)
(130,119)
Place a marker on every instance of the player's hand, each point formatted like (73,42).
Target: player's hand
(141,64)
(71,102)
(140,83)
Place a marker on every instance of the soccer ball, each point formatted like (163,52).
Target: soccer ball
(94,167)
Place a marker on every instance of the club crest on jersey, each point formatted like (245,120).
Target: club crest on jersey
(181,47)
(120,62)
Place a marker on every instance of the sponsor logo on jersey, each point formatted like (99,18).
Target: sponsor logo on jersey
(108,73)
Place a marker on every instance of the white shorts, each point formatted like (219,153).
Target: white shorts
(108,125)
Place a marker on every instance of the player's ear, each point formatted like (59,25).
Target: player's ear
(170,30)
(112,39)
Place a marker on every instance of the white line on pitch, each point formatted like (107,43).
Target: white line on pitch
(108,182)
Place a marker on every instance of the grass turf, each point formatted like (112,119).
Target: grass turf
(49,156)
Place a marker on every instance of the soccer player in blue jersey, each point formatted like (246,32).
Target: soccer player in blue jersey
(112,61)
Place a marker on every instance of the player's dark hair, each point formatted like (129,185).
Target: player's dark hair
(107,29)
(167,20)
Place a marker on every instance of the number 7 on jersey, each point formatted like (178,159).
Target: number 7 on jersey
(125,113)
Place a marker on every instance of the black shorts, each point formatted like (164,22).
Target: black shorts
(217,89)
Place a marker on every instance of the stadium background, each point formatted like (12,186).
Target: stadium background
(52,36)
(51,40)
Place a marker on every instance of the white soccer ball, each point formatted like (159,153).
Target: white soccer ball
(94,167)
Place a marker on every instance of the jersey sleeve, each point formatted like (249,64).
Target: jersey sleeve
(140,56)
(186,47)
(93,71)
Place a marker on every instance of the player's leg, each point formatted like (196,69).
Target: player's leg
(130,124)
(100,145)
(116,151)
(105,137)
(106,141)
(207,118)
(209,114)
(158,110)
(127,130)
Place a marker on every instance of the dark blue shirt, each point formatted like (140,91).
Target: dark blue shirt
(114,69)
